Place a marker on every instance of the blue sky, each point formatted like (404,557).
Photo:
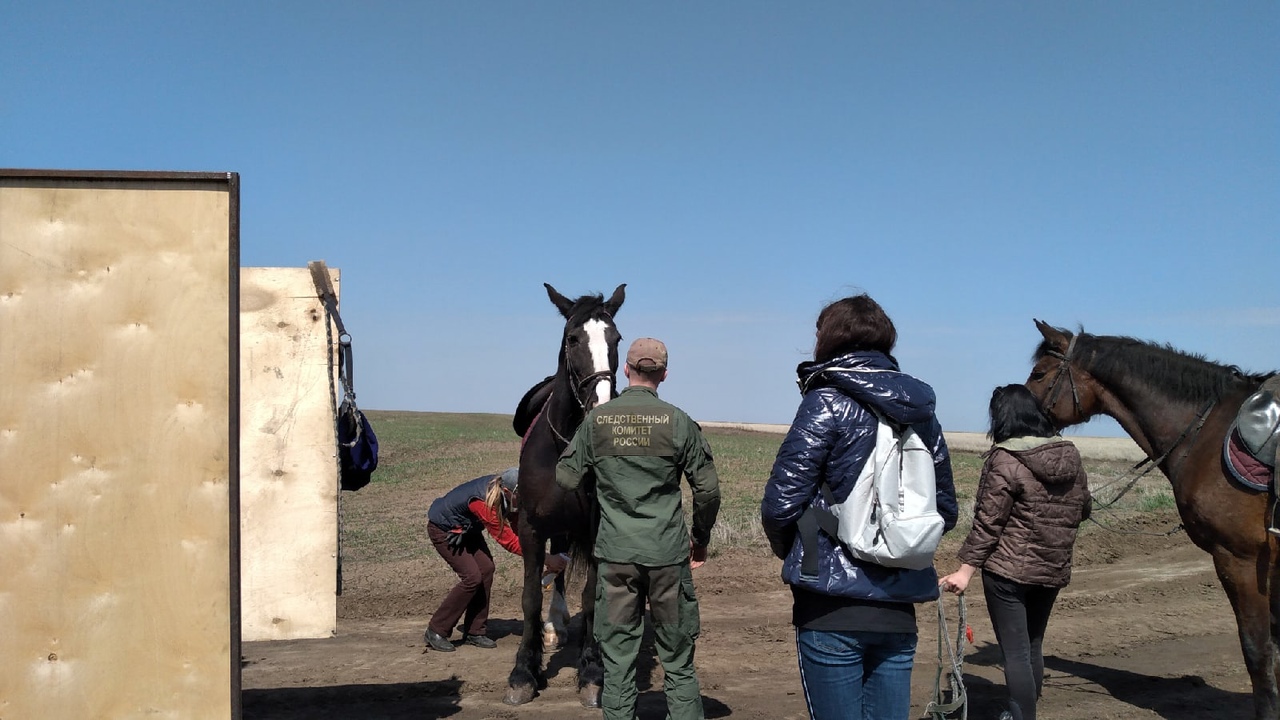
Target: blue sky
(971,165)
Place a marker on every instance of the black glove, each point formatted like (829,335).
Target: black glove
(456,542)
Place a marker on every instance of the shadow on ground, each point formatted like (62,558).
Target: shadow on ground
(1187,697)
(393,701)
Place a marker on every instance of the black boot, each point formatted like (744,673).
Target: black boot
(479,641)
(436,641)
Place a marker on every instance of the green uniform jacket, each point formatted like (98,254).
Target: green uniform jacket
(637,446)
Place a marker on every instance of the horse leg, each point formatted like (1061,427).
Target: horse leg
(526,677)
(555,627)
(1247,583)
(590,668)
(1274,588)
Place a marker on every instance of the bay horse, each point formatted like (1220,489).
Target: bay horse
(547,417)
(1179,408)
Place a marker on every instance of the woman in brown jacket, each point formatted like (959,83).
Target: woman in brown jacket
(1032,496)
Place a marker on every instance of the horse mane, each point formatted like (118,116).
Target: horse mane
(585,308)
(1115,359)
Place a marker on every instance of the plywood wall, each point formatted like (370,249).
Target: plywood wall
(288,469)
(118,446)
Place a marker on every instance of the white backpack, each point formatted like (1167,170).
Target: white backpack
(891,516)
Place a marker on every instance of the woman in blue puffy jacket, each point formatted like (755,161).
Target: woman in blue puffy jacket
(855,621)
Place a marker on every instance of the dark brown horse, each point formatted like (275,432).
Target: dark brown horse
(547,418)
(1179,408)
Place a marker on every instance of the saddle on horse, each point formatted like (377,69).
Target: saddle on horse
(530,405)
(1258,422)
(1253,446)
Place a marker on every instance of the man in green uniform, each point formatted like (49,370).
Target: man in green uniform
(637,446)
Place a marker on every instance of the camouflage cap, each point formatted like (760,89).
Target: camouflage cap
(647,355)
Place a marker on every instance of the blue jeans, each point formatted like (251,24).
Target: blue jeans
(856,675)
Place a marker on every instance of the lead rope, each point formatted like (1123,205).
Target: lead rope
(947,702)
(333,407)
(324,291)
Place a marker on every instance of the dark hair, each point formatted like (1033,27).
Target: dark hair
(851,324)
(1015,412)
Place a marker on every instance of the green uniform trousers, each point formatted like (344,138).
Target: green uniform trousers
(621,592)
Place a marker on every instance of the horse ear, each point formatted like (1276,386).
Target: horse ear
(615,301)
(562,303)
(1053,335)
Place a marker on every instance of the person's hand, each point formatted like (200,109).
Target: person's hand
(697,555)
(957,581)
(954,583)
(556,563)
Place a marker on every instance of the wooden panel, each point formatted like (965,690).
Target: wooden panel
(118,454)
(288,469)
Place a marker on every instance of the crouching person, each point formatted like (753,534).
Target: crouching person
(456,525)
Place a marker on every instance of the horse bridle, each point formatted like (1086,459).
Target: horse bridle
(585,383)
(1064,366)
(1192,429)
(580,386)
(589,383)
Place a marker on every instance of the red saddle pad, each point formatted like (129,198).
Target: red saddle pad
(1248,470)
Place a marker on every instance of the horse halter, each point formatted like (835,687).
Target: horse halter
(1051,398)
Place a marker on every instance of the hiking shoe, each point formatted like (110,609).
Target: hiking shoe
(436,641)
(480,641)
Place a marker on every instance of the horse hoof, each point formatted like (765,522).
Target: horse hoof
(518,695)
(590,696)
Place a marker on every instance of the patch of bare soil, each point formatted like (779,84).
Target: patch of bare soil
(1143,631)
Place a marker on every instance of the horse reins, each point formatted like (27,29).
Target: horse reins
(1190,430)
(541,414)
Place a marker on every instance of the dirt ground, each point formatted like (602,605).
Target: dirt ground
(1143,631)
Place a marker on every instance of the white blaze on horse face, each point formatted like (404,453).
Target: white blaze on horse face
(599,347)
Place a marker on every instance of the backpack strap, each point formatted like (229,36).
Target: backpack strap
(346,360)
(807,527)
(813,520)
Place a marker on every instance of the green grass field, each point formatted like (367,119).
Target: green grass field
(423,455)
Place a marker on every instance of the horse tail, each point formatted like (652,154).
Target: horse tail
(580,547)
(579,561)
